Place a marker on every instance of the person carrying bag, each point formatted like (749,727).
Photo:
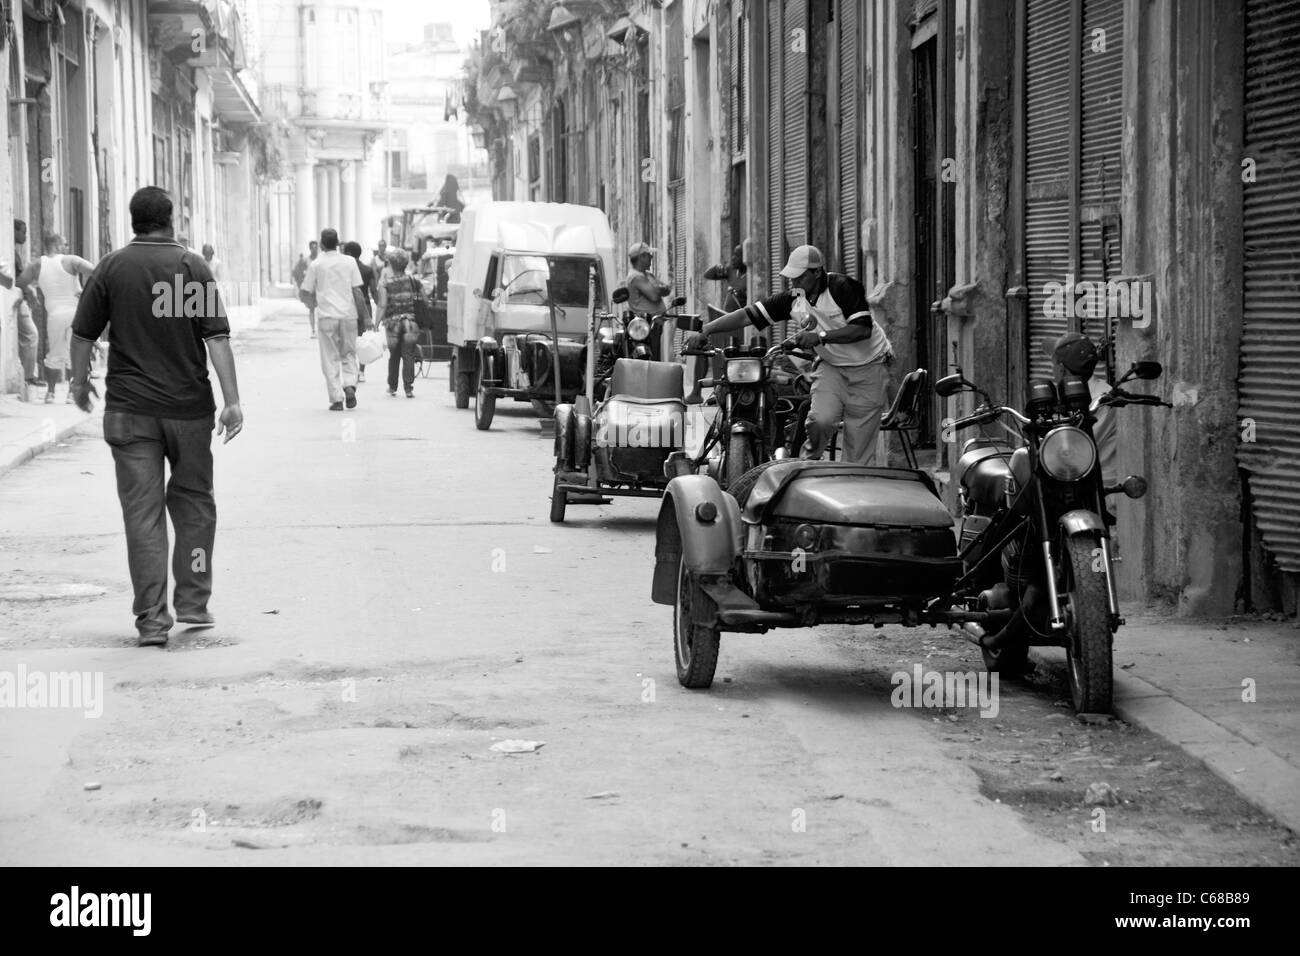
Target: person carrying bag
(396,306)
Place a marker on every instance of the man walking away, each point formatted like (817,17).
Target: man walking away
(333,288)
(160,407)
(353,249)
(850,374)
(314,250)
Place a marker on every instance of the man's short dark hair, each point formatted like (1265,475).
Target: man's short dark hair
(312,243)
(329,239)
(151,210)
(352,249)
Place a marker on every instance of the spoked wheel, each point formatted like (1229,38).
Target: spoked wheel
(696,644)
(485,405)
(1088,637)
(740,459)
(559,497)
(461,384)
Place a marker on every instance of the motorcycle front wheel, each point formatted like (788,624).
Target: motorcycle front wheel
(740,459)
(1087,628)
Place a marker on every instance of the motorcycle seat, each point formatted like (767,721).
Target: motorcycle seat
(647,383)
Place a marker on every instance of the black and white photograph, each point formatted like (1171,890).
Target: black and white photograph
(651,433)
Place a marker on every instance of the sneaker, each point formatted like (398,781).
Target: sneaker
(351,396)
(392,392)
(158,639)
(336,406)
(410,393)
(196,617)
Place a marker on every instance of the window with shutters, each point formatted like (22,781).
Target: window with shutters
(1073,128)
(675,104)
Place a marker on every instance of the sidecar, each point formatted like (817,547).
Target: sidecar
(794,544)
(620,447)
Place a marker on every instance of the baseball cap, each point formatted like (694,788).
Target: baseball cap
(639,248)
(1076,354)
(801,260)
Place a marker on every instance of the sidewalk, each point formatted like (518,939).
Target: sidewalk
(28,429)
(1226,692)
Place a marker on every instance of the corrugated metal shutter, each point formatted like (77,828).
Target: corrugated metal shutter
(1101,88)
(795,98)
(848,21)
(1048,190)
(681,230)
(775,180)
(1269,387)
(729,51)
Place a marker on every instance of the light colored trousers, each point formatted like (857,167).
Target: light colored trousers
(855,394)
(338,354)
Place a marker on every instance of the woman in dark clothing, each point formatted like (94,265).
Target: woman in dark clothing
(449,197)
(353,249)
(395,306)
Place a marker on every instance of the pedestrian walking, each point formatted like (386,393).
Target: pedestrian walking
(396,309)
(353,249)
(850,374)
(298,276)
(159,407)
(24,307)
(59,277)
(332,287)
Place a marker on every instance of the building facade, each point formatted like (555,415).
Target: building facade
(106,96)
(995,173)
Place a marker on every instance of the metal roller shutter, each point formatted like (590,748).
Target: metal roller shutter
(848,23)
(775,179)
(1048,190)
(1269,385)
(795,99)
(1101,89)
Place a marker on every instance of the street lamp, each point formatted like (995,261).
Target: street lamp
(479,135)
(507,102)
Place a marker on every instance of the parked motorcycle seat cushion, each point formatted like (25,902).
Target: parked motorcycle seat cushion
(637,380)
(834,493)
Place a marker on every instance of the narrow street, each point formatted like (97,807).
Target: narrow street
(392,600)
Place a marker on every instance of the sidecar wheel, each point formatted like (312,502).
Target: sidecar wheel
(485,406)
(695,644)
(1088,636)
(559,497)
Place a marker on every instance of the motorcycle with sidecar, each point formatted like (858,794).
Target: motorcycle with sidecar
(797,543)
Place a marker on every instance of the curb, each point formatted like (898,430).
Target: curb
(40,447)
(1255,772)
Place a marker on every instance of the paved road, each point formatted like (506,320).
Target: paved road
(391,601)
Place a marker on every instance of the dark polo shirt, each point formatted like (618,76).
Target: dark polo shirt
(160,303)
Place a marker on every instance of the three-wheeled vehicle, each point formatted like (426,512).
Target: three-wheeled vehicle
(618,444)
(431,309)
(518,301)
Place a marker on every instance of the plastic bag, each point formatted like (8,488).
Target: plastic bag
(370,347)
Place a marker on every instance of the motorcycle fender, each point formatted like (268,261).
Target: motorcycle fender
(1074,522)
(707,548)
(564,415)
(581,441)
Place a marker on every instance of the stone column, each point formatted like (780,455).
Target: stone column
(333,193)
(348,201)
(368,231)
(304,205)
(322,200)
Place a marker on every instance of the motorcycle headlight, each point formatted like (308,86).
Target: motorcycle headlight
(1067,453)
(638,329)
(744,371)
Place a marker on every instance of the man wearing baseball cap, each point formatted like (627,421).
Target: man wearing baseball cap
(645,293)
(850,374)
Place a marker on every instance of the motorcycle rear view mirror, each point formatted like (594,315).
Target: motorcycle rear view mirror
(1145,370)
(679,301)
(620,295)
(949,385)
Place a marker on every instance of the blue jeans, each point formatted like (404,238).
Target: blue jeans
(141,444)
